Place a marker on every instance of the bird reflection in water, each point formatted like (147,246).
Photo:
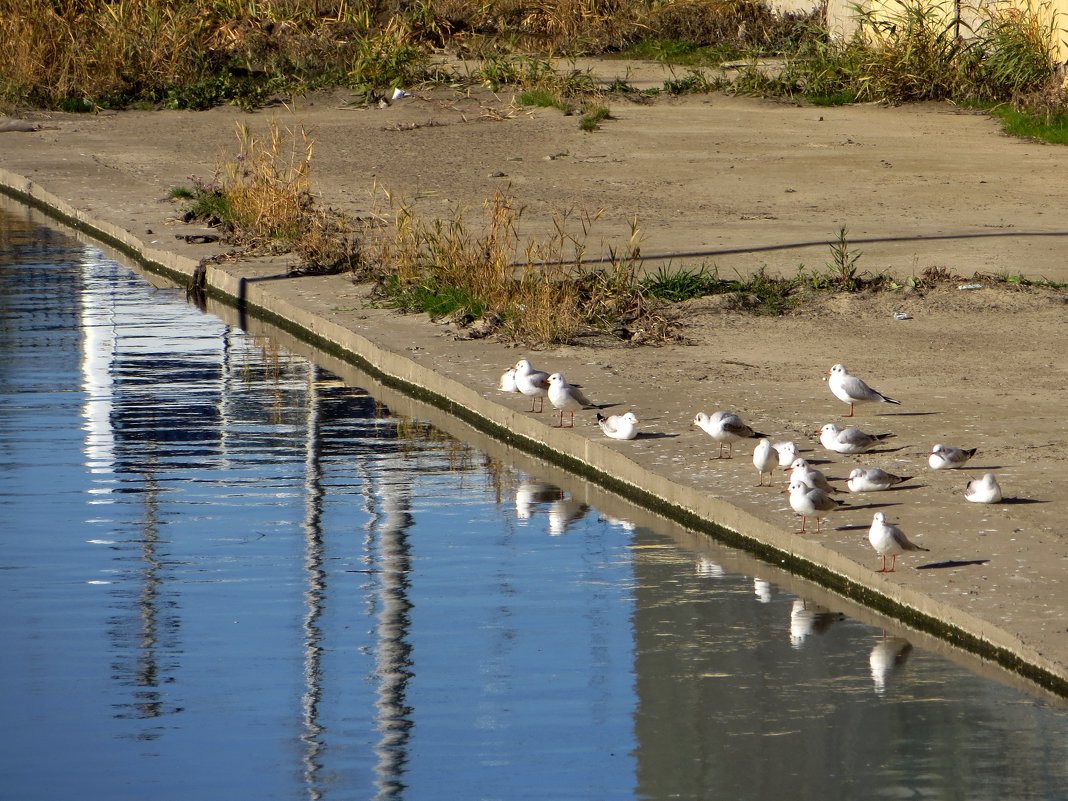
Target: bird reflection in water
(762,590)
(807,618)
(563,510)
(887,656)
(706,567)
(531,494)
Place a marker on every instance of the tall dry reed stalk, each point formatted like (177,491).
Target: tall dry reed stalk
(267,186)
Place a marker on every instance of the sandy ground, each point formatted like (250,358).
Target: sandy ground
(737,184)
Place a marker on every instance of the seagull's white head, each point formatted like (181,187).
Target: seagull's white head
(557,379)
(522,366)
(798,463)
(837,370)
(630,418)
(879,519)
(856,472)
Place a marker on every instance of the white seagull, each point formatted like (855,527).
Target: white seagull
(801,470)
(619,426)
(889,540)
(947,457)
(810,502)
(983,490)
(872,479)
(787,453)
(507,381)
(532,383)
(765,457)
(566,398)
(852,390)
(726,428)
(848,440)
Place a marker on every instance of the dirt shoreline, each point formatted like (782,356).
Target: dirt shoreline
(743,183)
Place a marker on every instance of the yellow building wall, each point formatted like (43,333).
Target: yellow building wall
(842,16)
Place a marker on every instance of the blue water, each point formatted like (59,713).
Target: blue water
(225,574)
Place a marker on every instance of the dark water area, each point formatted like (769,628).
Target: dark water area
(228,573)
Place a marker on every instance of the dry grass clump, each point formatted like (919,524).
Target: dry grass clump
(736,24)
(262,198)
(913,50)
(267,185)
(539,292)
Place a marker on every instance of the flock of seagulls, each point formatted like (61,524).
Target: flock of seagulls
(811,493)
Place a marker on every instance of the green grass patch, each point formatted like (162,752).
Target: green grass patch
(1052,128)
(760,292)
(541,98)
(593,117)
(675,286)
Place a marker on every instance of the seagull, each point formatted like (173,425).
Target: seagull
(810,502)
(566,398)
(872,479)
(983,490)
(889,540)
(619,426)
(803,471)
(848,440)
(532,383)
(947,457)
(852,390)
(787,453)
(507,381)
(726,428)
(765,457)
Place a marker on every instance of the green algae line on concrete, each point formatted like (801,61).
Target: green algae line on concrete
(254,290)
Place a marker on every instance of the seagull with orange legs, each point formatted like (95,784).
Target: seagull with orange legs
(765,459)
(566,398)
(810,502)
(532,383)
(889,540)
(726,428)
(852,390)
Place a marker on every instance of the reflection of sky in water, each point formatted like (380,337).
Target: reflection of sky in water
(226,574)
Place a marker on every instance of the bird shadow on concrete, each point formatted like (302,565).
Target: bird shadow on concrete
(952,563)
(885,450)
(873,505)
(987,467)
(655,435)
(1022,500)
(906,414)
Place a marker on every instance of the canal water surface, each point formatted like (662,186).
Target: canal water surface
(226,573)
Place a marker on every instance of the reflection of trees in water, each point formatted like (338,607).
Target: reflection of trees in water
(146,628)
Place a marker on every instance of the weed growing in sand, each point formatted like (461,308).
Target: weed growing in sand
(842,268)
(760,292)
(593,117)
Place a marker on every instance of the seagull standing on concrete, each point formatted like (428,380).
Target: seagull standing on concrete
(852,390)
(889,540)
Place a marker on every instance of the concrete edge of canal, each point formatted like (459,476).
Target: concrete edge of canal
(248,288)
